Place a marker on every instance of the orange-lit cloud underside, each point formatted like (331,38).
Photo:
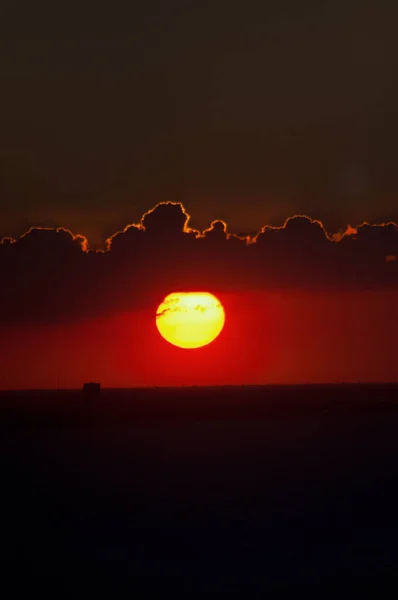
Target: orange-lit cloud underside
(190,320)
(248,239)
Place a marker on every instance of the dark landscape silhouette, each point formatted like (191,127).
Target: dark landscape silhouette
(258,486)
(70,408)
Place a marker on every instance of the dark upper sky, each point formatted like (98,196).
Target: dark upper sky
(246,111)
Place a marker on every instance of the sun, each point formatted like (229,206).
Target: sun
(190,319)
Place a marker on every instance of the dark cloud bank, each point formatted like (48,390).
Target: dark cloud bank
(50,275)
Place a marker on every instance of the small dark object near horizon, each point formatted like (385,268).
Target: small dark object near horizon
(91,390)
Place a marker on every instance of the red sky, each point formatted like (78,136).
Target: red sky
(252,115)
(301,305)
(268,338)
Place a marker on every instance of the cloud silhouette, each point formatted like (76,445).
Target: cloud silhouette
(51,275)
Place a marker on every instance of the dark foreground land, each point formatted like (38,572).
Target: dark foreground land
(254,486)
(65,408)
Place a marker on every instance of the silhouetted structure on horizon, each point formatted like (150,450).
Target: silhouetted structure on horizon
(91,391)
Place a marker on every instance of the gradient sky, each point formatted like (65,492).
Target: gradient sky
(245,111)
(170,115)
(301,306)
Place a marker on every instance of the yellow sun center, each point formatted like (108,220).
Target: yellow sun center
(190,319)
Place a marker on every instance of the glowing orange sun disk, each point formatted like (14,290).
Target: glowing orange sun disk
(190,319)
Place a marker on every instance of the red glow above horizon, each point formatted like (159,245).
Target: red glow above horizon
(267,338)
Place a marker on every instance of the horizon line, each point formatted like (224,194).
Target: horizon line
(198,386)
